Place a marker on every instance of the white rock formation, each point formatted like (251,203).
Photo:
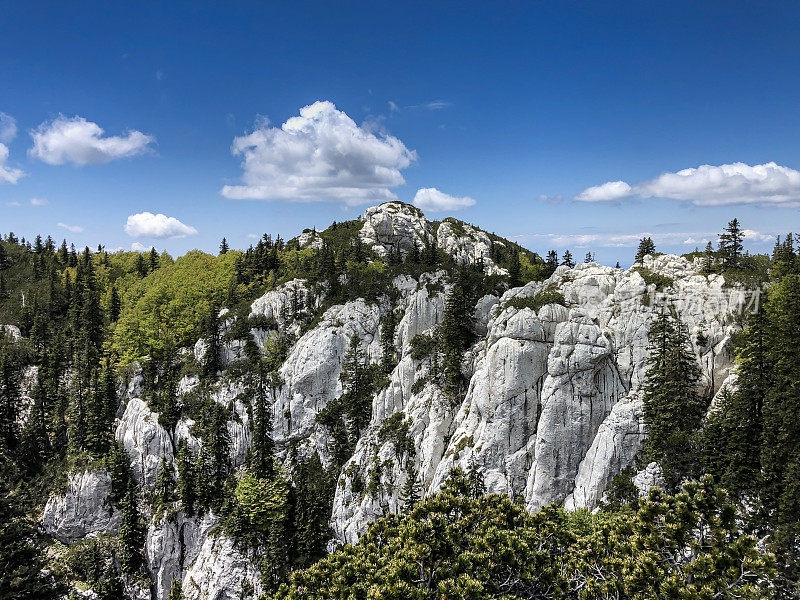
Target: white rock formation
(84,510)
(172,545)
(394,227)
(467,245)
(145,440)
(218,571)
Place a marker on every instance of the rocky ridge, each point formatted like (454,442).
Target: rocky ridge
(552,412)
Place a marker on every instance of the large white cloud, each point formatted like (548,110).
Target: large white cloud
(80,142)
(146,224)
(769,184)
(320,155)
(8,174)
(434,200)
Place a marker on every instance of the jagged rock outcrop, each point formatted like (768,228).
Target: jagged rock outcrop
(84,510)
(218,571)
(173,543)
(467,245)
(311,372)
(553,409)
(145,440)
(394,228)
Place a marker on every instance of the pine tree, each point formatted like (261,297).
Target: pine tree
(734,432)
(187,487)
(114,305)
(164,491)
(152,260)
(388,353)
(730,245)
(646,246)
(211,361)
(589,258)
(313,500)
(261,460)
(514,270)
(223,246)
(410,493)
(475,478)
(551,263)
(781,439)
(567,259)
(673,409)
(110,585)
(131,533)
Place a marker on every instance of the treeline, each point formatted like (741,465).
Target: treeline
(749,441)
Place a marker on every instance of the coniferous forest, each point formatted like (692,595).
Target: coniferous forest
(84,326)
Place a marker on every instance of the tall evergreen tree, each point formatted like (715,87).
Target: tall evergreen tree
(730,244)
(646,246)
(131,533)
(673,409)
(567,260)
(223,246)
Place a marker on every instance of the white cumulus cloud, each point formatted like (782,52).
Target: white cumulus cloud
(8,174)
(320,155)
(146,224)
(72,228)
(769,184)
(80,142)
(137,247)
(436,201)
(606,192)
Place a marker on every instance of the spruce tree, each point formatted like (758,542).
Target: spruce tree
(551,262)
(410,493)
(673,409)
(781,439)
(152,260)
(313,499)
(730,245)
(131,533)
(514,270)
(187,486)
(223,246)
(164,491)
(566,259)
(646,246)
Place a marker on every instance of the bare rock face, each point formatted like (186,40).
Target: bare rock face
(12,331)
(285,304)
(218,571)
(311,372)
(467,245)
(553,409)
(394,228)
(145,440)
(310,239)
(649,477)
(172,545)
(84,510)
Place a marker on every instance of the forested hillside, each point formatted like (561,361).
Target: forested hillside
(398,408)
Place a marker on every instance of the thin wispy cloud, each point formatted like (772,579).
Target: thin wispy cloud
(8,128)
(769,184)
(80,142)
(72,228)
(39,202)
(631,240)
(320,155)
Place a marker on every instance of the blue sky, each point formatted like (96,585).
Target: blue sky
(519,107)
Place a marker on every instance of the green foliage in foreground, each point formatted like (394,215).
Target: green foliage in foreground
(452,545)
